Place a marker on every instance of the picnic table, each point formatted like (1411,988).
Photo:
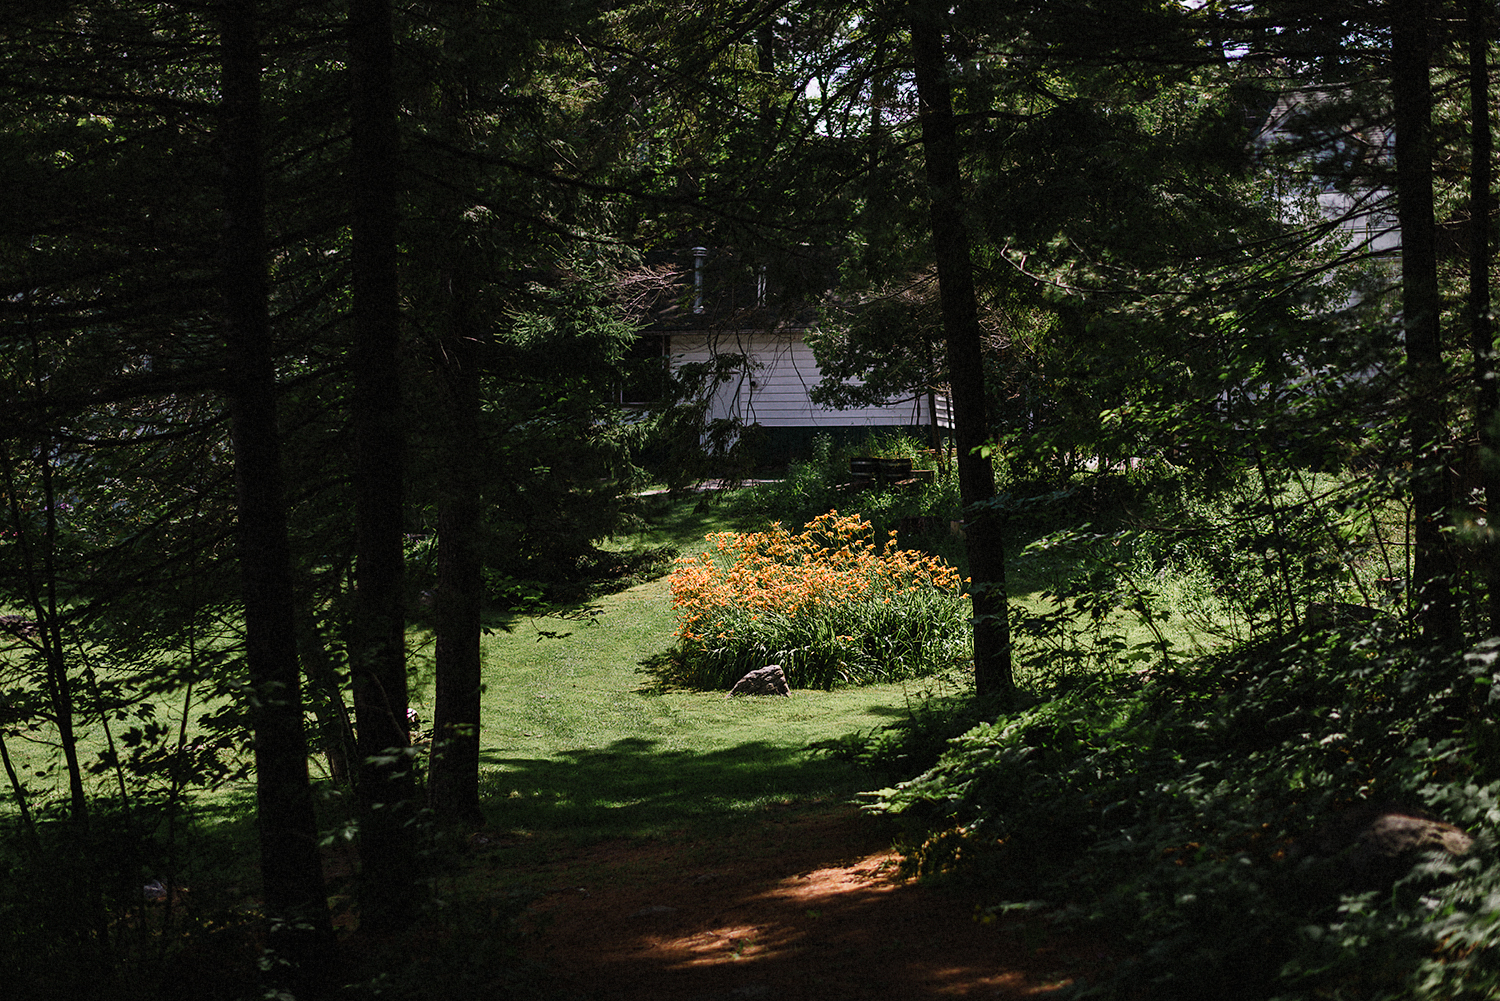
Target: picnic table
(869,471)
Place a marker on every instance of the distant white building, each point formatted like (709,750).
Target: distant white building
(773,387)
(732,325)
(1335,160)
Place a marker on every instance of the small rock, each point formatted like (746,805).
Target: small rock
(655,910)
(768,680)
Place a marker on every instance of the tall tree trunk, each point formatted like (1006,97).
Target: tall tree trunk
(950,238)
(1411,93)
(41,594)
(1481,326)
(387,784)
(18,790)
(765,62)
(453,777)
(325,695)
(300,934)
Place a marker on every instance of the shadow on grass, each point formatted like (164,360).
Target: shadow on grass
(579,614)
(884,710)
(683,521)
(635,788)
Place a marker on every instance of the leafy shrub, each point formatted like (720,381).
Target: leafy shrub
(1169,816)
(81,918)
(1256,557)
(1266,547)
(822,483)
(824,603)
(512,594)
(914,742)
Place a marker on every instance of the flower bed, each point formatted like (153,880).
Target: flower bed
(824,603)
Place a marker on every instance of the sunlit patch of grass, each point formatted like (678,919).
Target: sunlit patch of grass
(578,743)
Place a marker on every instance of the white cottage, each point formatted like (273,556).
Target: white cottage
(766,369)
(773,388)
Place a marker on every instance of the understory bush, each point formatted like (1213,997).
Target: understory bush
(1173,572)
(133,907)
(824,603)
(1180,816)
(822,482)
(915,741)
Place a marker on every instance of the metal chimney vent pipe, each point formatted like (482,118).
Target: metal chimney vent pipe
(700,254)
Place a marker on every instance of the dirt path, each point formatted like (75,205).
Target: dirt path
(804,905)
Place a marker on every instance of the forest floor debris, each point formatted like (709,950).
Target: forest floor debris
(805,903)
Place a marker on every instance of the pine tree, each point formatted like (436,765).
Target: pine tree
(387,782)
(301,936)
(955,269)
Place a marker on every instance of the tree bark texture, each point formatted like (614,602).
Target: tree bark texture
(1481,324)
(387,785)
(950,238)
(301,935)
(1411,92)
(453,774)
(453,777)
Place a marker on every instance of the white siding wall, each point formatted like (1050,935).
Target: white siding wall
(1366,217)
(1368,221)
(774,392)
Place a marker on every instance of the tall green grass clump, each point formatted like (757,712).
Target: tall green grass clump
(824,603)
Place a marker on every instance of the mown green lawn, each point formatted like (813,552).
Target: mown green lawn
(575,738)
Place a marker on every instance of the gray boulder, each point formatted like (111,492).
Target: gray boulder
(768,680)
(1371,847)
